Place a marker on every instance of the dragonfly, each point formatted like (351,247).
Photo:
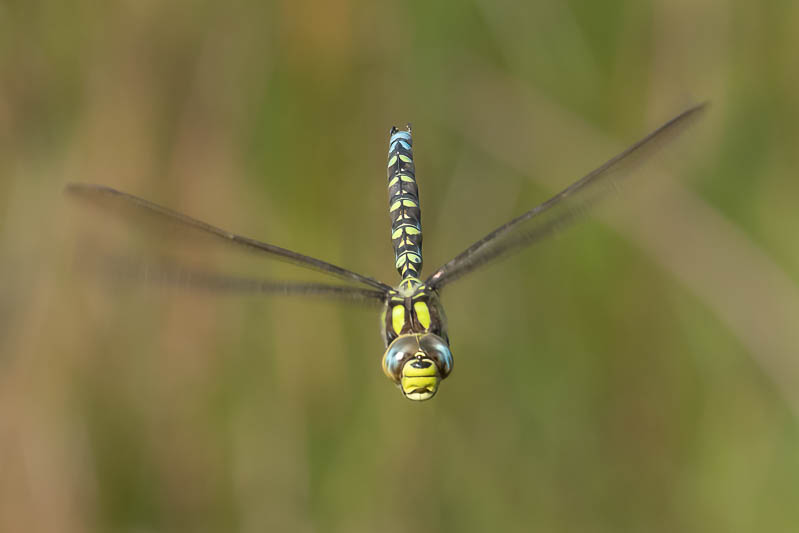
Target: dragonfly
(417,355)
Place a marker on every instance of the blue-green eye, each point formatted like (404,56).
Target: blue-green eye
(399,351)
(436,349)
(427,346)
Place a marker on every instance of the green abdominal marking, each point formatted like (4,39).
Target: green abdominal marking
(404,208)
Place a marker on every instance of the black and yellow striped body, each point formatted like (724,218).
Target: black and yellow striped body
(417,353)
(404,208)
(412,308)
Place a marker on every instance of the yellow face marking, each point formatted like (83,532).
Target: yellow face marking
(419,383)
(410,372)
(422,314)
(397,318)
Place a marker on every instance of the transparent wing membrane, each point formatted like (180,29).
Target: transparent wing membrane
(563,208)
(163,224)
(123,269)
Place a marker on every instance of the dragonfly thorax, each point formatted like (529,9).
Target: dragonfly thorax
(413,308)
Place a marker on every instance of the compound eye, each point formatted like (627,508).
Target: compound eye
(436,349)
(399,351)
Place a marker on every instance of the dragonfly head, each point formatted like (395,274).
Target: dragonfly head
(418,363)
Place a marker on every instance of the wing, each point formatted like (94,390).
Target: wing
(127,268)
(161,220)
(563,208)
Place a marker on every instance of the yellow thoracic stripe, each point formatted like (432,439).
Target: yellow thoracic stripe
(397,318)
(422,314)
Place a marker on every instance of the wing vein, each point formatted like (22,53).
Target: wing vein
(563,208)
(105,196)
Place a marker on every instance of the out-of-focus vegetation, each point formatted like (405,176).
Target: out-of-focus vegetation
(637,373)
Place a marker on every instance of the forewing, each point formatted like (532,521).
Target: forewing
(563,208)
(170,238)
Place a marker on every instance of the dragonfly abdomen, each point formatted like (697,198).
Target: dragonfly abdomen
(404,208)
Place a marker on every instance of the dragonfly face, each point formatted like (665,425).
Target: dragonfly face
(418,363)
(417,353)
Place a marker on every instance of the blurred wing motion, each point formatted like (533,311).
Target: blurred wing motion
(121,268)
(563,208)
(169,272)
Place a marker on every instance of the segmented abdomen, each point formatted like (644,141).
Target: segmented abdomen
(403,201)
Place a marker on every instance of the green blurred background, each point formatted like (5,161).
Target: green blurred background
(637,373)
